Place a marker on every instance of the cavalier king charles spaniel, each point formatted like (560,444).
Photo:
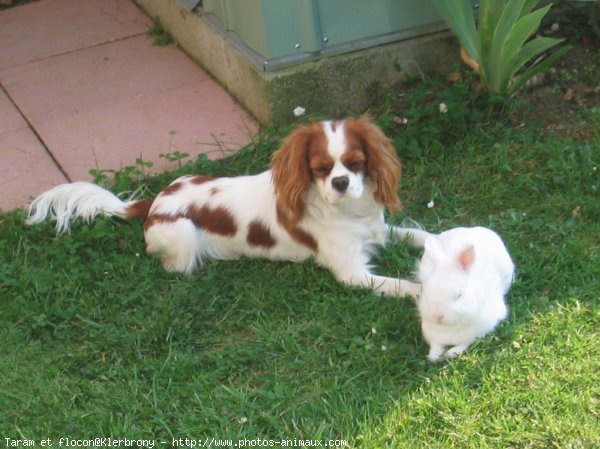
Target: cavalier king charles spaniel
(324,197)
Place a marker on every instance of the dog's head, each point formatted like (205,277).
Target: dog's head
(342,158)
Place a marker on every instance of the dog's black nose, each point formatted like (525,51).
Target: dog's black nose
(340,183)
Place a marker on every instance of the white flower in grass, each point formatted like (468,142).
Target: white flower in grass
(243,420)
(443,108)
(431,204)
(299,111)
(383,347)
(373,331)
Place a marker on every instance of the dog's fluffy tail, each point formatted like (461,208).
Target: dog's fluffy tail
(66,202)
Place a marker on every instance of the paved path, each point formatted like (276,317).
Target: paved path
(82,86)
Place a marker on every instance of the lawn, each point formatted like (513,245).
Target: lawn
(99,341)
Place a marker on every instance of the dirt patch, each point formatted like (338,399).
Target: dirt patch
(573,84)
(568,88)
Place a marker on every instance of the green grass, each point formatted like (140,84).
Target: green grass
(99,341)
(159,34)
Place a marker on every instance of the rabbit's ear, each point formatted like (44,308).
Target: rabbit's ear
(466,258)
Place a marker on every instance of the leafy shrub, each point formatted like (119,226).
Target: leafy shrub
(499,48)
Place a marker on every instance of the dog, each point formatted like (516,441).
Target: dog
(324,197)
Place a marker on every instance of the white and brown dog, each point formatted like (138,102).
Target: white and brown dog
(324,197)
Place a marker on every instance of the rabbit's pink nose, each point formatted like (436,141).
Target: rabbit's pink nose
(439,317)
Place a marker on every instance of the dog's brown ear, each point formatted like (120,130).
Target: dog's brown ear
(291,172)
(383,164)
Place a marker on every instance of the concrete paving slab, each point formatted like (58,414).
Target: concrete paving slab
(98,94)
(188,119)
(10,119)
(42,29)
(80,81)
(25,168)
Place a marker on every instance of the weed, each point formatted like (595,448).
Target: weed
(124,178)
(160,36)
(175,156)
(432,116)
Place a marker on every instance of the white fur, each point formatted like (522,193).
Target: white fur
(460,303)
(78,199)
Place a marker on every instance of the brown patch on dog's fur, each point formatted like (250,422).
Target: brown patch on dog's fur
(138,209)
(218,220)
(382,163)
(319,160)
(354,159)
(300,236)
(172,188)
(259,235)
(291,170)
(161,218)
(201,179)
(178,185)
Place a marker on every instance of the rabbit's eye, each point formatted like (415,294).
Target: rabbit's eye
(458,296)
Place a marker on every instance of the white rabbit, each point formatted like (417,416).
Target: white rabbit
(465,273)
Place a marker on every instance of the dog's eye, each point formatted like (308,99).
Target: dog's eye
(355,166)
(322,170)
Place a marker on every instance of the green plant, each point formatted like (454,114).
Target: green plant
(124,177)
(430,117)
(159,35)
(499,48)
(175,156)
